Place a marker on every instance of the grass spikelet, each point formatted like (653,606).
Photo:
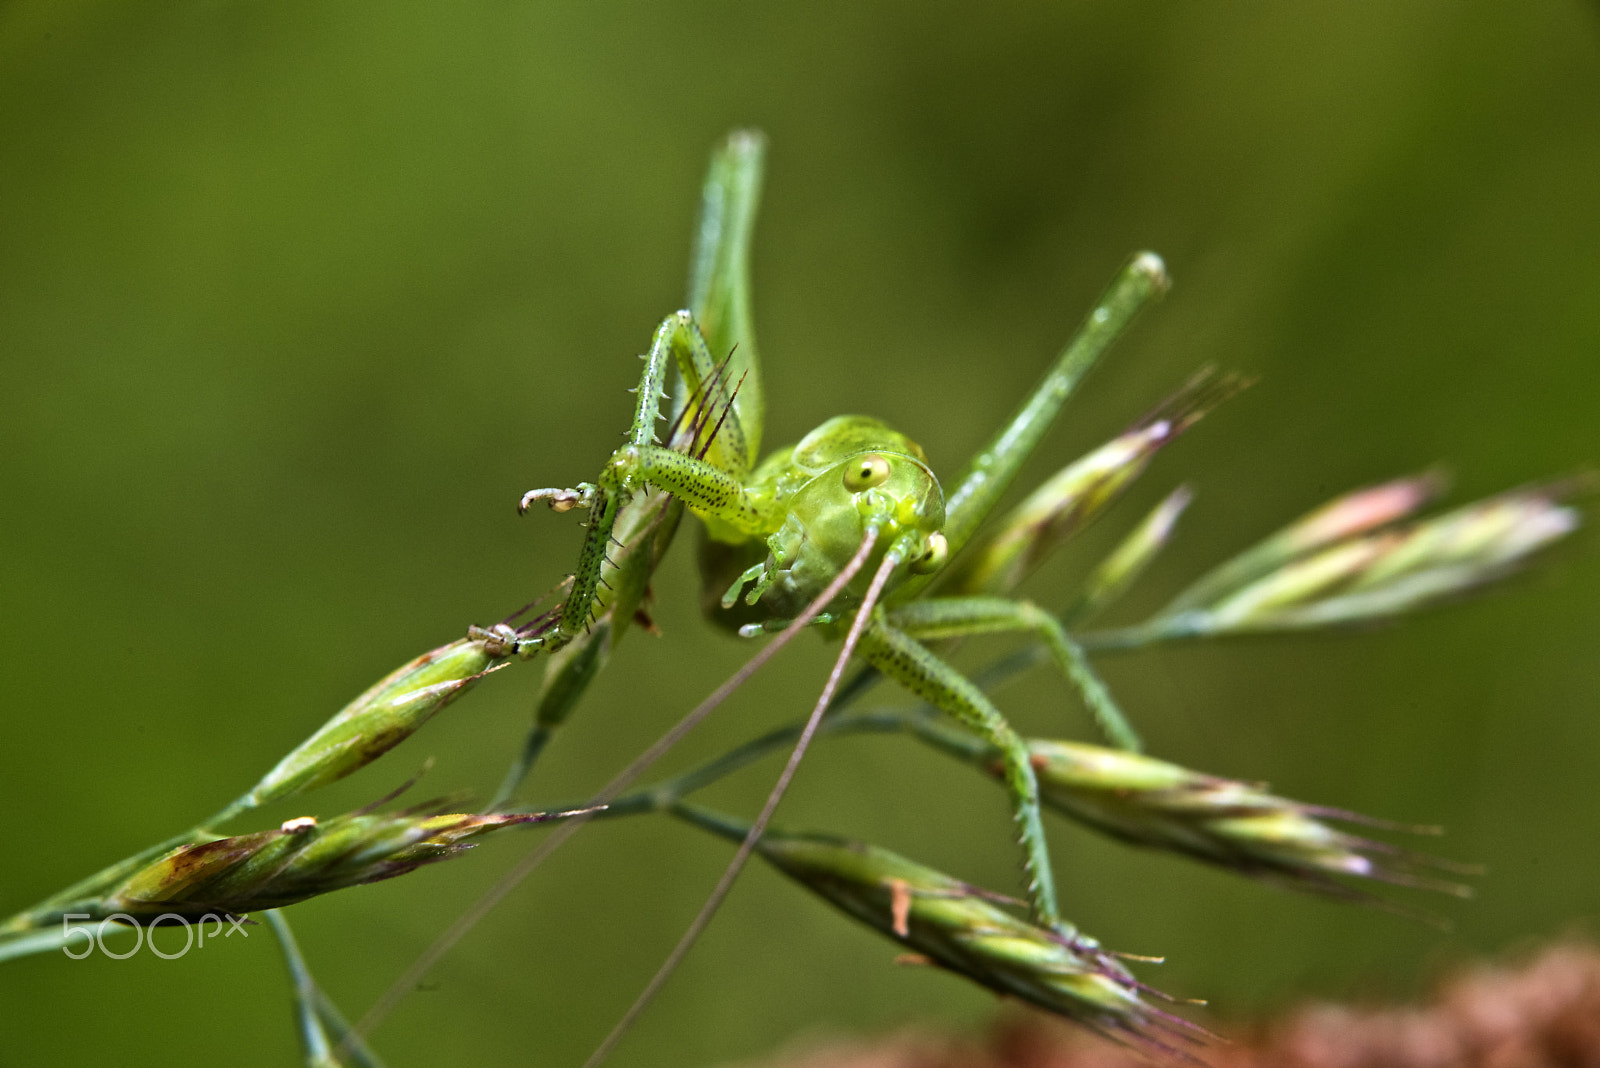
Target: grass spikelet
(1235,825)
(299,860)
(963,929)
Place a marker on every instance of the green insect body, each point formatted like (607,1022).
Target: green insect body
(803,510)
(819,497)
(778,533)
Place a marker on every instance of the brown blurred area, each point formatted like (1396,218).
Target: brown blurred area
(1542,1011)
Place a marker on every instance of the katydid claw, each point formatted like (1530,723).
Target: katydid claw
(499,641)
(561,500)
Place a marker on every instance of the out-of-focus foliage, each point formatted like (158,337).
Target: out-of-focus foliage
(297,298)
(1544,1010)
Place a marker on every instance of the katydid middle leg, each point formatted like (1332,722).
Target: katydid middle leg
(901,657)
(958,617)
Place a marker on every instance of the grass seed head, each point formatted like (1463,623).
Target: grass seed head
(1123,566)
(1232,824)
(378,720)
(964,930)
(300,860)
(1375,575)
(1343,517)
(1077,494)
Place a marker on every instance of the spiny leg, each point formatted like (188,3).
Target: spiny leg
(708,483)
(719,277)
(677,340)
(688,432)
(719,299)
(635,537)
(957,617)
(641,531)
(907,661)
(708,425)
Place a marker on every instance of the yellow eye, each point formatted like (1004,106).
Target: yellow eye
(933,558)
(865,472)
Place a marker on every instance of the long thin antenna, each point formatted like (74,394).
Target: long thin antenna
(729,874)
(409,979)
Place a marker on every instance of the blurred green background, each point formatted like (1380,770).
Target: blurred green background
(297,298)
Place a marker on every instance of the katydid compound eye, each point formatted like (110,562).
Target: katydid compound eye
(865,472)
(933,558)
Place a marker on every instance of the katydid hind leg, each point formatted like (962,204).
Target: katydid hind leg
(719,275)
(974,493)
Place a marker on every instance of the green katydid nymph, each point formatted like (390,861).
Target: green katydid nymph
(851,531)
(846,528)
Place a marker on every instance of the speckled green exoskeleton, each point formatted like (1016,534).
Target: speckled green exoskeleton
(815,527)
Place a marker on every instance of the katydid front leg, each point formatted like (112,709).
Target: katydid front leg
(708,453)
(719,298)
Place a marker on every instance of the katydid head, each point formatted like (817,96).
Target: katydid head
(859,475)
(899,497)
